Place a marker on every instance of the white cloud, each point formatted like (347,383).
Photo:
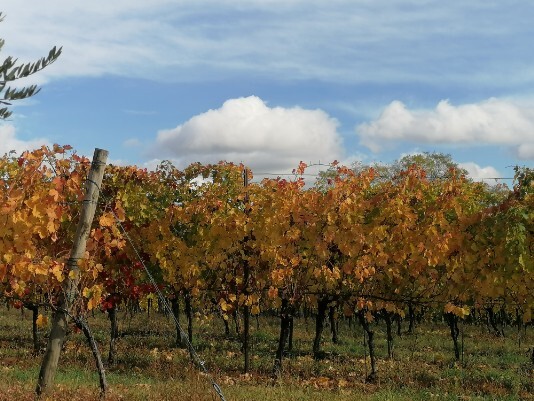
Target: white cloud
(479,173)
(247,130)
(119,162)
(493,121)
(335,41)
(525,151)
(152,164)
(9,141)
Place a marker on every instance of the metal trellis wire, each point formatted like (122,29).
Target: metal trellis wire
(194,356)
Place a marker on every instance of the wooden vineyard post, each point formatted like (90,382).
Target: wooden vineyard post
(70,284)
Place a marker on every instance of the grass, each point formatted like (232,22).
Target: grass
(149,367)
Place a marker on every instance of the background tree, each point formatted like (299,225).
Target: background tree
(436,166)
(11,70)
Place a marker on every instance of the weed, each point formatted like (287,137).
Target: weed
(149,367)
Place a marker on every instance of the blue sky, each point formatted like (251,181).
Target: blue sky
(272,82)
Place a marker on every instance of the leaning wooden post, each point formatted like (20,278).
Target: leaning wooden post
(70,284)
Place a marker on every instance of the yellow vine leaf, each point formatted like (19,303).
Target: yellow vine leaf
(51,227)
(93,295)
(119,211)
(57,271)
(106,220)
(463,312)
(97,269)
(41,270)
(223,305)
(39,209)
(42,321)
(54,194)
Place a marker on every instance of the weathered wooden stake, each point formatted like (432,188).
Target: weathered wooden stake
(70,284)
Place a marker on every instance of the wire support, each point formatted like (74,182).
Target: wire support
(94,183)
(193,354)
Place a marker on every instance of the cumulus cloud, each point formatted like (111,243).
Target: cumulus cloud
(479,173)
(492,121)
(525,151)
(9,141)
(249,131)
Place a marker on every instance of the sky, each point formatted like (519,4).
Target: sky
(270,83)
